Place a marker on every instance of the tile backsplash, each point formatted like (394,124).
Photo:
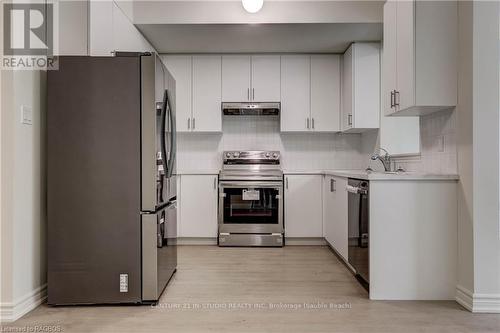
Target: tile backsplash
(300,151)
(438,140)
(317,151)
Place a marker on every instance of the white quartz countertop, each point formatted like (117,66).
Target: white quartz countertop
(360,174)
(374,175)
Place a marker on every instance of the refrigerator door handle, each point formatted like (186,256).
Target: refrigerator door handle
(162,133)
(173,138)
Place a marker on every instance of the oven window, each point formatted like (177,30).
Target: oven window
(251,206)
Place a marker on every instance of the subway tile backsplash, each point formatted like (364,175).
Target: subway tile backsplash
(300,151)
(438,140)
(317,151)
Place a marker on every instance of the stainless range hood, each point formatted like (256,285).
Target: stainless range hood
(251,109)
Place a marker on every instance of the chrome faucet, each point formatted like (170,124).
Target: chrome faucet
(386,159)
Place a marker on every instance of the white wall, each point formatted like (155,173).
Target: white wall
(464,150)
(478,286)
(23,215)
(486,154)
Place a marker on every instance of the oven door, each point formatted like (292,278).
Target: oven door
(250,207)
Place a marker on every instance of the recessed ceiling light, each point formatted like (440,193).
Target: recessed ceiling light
(252,6)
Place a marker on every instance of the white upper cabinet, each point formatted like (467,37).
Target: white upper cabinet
(198,92)
(109,28)
(250,78)
(420,46)
(295,93)
(236,78)
(310,93)
(361,87)
(325,93)
(207,114)
(100,28)
(266,78)
(180,67)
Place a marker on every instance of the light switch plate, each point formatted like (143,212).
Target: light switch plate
(26,115)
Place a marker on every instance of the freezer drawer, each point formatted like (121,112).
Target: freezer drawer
(159,251)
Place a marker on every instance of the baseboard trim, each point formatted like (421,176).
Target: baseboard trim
(10,312)
(477,303)
(304,241)
(197,241)
(464,297)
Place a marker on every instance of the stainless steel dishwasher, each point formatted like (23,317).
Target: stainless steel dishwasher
(358,228)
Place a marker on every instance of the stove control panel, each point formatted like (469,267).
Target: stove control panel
(251,157)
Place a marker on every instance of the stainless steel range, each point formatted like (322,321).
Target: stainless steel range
(251,199)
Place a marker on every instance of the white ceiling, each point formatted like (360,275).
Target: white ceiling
(259,38)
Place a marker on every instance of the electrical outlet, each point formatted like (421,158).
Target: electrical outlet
(26,115)
(124,283)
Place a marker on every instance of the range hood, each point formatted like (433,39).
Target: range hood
(251,109)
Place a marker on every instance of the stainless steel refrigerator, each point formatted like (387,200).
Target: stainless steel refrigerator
(111,179)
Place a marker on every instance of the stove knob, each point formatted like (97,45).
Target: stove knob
(268,155)
(228,155)
(236,154)
(275,155)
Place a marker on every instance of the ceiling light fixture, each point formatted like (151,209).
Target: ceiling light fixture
(252,6)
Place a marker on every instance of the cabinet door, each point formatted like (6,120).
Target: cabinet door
(328,212)
(207,114)
(266,78)
(366,85)
(236,78)
(405,53)
(100,28)
(295,93)
(347,89)
(389,56)
(325,93)
(303,206)
(198,206)
(180,68)
(339,221)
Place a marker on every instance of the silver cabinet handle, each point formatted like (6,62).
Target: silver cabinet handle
(333,185)
(396,98)
(392,99)
(307,123)
(286,182)
(349,120)
(253,94)
(194,123)
(215,182)
(312,123)
(189,123)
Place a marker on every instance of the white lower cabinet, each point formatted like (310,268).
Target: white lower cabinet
(198,206)
(335,213)
(303,206)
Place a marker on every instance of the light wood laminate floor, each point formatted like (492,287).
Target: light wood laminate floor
(232,290)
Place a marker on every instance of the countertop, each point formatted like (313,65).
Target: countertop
(360,174)
(374,175)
